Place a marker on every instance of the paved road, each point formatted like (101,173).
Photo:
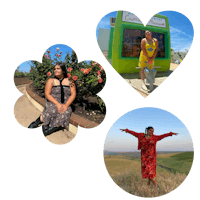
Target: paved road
(25,113)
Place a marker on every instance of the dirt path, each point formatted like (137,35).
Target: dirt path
(167,168)
(173,66)
(25,113)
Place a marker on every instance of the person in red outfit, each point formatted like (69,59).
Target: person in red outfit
(147,143)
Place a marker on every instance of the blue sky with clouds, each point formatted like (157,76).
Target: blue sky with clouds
(137,120)
(25,66)
(181,29)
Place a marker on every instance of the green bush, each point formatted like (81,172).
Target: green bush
(89,77)
(19,73)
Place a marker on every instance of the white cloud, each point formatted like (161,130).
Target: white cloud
(180,40)
(104,23)
(178,32)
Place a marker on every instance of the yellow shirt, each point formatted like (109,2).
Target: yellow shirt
(150,49)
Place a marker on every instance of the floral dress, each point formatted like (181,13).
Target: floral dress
(51,116)
(148,152)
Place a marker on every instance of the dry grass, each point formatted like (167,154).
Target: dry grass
(167,155)
(127,175)
(133,183)
(116,165)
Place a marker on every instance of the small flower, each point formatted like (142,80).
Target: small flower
(100,80)
(94,64)
(75,78)
(82,69)
(57,49)
(60,52)
(45,55)
(30,70)
(79,82)
(69,69)
(99,72)
(48,51)
(69,75)
(48,57)
(86,71)
(48,73)
(101,68)
(58,55)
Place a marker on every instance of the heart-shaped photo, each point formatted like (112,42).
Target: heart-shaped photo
(144,55)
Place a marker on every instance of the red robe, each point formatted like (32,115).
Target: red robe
(148,152)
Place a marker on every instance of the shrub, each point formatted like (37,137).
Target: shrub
(89,77)
(19,73)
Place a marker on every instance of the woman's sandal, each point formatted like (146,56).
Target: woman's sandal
(36,123)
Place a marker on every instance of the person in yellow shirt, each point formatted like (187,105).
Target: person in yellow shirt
(149,47)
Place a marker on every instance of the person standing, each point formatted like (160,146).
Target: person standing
(147,143)
(149,47)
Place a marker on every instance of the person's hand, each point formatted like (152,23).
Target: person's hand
(175,133)
(122,130)
(59,107)
(148,59)
(151,59)
(64,108)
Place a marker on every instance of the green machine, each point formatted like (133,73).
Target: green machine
(125,42)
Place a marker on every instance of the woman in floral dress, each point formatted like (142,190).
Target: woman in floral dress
(60,92)
(147,144)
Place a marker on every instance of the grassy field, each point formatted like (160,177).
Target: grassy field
(126,173)
(180,163)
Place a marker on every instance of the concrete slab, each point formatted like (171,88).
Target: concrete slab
(22,88)
(25,113)
(135,81)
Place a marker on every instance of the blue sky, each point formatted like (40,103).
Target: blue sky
(181,29)
(25,66)
(137,120)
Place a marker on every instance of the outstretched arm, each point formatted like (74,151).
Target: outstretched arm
(131,132)
(160,137)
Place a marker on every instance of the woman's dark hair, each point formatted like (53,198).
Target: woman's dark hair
(63,67)
(149,127)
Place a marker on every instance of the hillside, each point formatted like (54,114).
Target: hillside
(134,153)
(126,172)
